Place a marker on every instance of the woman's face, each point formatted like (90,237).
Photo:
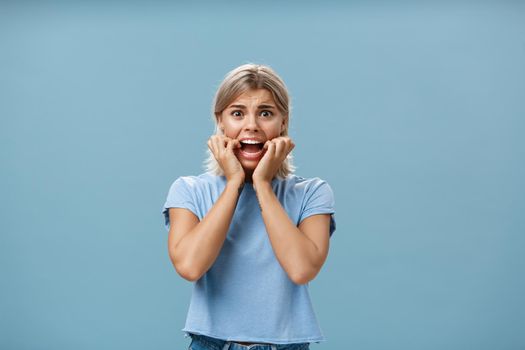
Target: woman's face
(252,118)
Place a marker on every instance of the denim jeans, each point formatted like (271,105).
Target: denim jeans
(203,342)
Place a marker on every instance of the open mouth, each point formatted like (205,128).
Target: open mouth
(251,149)
(249,146)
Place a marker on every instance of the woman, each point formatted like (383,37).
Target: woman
(249,232)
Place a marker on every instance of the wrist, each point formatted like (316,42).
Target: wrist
(262,184)
(235,182)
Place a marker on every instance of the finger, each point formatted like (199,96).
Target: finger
(287,140)
(212,147)
(217,142)
(224,141)
(229,145)
(271,149)
(288,143)
(280,147)
(291,146)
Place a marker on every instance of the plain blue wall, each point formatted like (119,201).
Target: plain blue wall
(413,113)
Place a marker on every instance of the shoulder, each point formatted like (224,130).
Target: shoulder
(305,185)
(195,187)
(303,190)
(194,182)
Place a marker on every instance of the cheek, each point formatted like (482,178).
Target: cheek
(231,133)
(231,130)
(273,132)
(274,127)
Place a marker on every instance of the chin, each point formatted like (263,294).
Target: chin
(249,166)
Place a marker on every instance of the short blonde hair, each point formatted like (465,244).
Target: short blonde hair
(246,77)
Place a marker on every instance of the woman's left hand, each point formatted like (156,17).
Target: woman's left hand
(277,150)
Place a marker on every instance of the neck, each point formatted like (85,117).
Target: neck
(248,176)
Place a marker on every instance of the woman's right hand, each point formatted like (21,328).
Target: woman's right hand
(222,148)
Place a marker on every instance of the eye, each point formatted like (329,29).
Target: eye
(266,113)
(236,113)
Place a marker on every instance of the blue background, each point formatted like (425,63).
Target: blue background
(413,112)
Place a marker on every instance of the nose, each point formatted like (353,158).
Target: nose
(251,123)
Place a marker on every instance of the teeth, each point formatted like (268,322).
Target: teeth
(251,142)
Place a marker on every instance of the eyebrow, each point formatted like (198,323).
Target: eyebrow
(244,107)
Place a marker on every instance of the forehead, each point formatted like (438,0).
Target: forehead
(254,96)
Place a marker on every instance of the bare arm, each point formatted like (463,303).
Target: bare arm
(193,245)
(302,250)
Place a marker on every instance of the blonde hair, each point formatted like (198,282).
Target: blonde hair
(246,77)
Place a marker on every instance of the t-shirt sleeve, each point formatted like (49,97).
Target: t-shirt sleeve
(180,195)
(319,199)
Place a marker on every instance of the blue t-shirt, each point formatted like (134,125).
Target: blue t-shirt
(246,295)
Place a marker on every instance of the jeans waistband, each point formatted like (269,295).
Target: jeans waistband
(225,345)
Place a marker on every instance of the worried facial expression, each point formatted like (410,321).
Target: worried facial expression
(252,118)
